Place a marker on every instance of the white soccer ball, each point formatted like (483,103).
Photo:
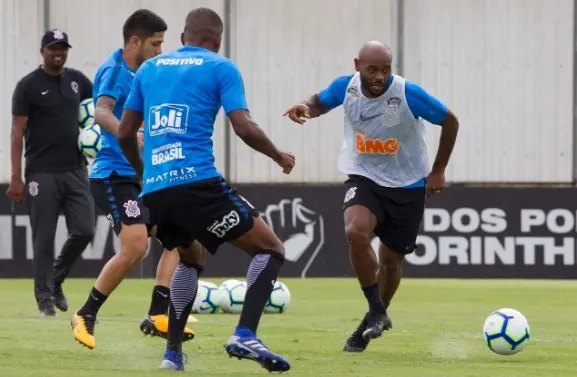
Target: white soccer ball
(227,283)
(232,297)
(207,298)
(86,114)
(506,331)
(279,299)
(90,140)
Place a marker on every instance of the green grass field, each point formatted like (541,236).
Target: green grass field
(436,332)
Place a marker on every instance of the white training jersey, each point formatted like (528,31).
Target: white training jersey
(382,141)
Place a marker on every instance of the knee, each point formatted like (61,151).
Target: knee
(194,255)
(357,233)
(134,247)
(392,263)
(279,250)
(273,245)
(83,237)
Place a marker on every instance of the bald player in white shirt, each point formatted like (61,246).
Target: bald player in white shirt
(384,154)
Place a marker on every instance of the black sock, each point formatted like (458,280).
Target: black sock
(374,298)
(182,294)
(160,300)
(93,303)
(260,280)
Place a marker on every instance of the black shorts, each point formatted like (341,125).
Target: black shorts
(209,211)
(399,211)
(117,196)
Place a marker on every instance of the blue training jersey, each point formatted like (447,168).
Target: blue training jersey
(421,103)
(180,94)
(113,79)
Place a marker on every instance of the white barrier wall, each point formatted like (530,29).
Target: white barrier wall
(21,28)
(287,50)
(504,66)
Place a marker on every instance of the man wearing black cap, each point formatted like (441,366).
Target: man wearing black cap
(45,111)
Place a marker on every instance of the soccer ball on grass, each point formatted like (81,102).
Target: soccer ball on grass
(506,331)
(207,298)
(279,299)
(232,296)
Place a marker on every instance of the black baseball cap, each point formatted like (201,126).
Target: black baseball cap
(55,36)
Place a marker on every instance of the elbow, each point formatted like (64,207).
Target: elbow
(122,137)
(17,134)
(455,120)
(99,116)
(242,131)
(451,122)
(456,124)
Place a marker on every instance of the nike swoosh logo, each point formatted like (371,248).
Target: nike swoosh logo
(364,119)
(43,93)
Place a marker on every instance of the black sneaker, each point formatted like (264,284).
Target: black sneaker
(356,342)
(376,324)
(59,299)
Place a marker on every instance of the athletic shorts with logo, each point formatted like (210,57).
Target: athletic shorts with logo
(210,211)
(399,211)
(118,198)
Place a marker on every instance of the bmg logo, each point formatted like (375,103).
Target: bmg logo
(167,118)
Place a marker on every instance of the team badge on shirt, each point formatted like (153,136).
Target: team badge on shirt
(131,208)
(353,92)
(74,86)
(394,102)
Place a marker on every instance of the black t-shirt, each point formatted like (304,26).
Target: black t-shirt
(52,105)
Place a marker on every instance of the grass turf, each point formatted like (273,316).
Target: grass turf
(436,332)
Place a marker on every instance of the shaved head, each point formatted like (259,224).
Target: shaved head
(375,50)
(203,28)
(374,63)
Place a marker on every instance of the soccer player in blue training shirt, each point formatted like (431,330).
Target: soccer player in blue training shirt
(385,156)
(179,95)
(115,186)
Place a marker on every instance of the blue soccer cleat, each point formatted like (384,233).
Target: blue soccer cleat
(244,345)
(173,361)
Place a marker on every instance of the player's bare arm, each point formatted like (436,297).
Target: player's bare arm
(104,114)
(450,128)
(128,139)
(254,137)
(19,127)
(308,109)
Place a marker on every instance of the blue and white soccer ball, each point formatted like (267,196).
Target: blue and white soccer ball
(207,298)
(279,299)
(86,113)
(227,283)
(232,296)
(90,140)
(506,331)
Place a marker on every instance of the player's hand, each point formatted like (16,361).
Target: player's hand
(435,182)
(298,113)
(140,139)
(286,161)
(15,190)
